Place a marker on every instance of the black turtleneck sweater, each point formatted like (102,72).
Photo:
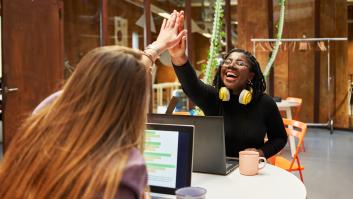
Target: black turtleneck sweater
(245,125)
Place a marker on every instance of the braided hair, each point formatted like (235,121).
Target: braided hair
(258,82)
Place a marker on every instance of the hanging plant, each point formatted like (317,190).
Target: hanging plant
(215,46)
(218,34)
(279,37)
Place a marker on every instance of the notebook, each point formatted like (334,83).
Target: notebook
(209,145)
(168,156)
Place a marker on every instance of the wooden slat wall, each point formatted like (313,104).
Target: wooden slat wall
(326,30)
(350,38)
(81,29)
(294,69)
(350,49)
(281,64)
(336,26)
(301,64)
(252,23)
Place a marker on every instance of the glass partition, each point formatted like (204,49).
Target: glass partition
(165,83)
(81,30)
(201,29)
(233,24)
(124,25)
(126,22)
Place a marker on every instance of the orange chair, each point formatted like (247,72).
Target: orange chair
(298,130)
(296,111)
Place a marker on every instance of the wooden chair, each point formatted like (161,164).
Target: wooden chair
(298,130)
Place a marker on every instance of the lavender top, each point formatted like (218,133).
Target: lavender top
(47,101)
(134,178)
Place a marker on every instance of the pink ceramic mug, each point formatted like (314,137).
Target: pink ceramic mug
(249,164)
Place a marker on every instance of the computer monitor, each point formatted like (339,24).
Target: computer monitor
(168,155)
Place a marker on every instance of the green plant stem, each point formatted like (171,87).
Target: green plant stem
(279,37)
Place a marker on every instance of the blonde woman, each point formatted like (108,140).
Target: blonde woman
(87,142)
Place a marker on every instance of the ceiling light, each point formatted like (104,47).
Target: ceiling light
(208,35)
(164,14)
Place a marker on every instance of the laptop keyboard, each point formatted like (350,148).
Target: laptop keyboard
(231,163)
(228,165)
(157,197)
(161,197)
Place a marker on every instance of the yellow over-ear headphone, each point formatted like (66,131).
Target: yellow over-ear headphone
(244,97)
(224,94)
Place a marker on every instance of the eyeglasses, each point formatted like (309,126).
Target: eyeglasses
(228,63)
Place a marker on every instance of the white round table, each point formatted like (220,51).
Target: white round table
(271,182)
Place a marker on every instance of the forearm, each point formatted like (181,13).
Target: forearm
(203,95)
(188,78)
(276,133)
(272,147)
(180,61)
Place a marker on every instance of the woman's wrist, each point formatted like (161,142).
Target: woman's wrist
(152,54)
(159,47)
(179,60)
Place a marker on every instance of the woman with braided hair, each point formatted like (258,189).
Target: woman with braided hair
(237,95)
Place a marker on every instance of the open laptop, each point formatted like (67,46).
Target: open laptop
(168,156)
(209,145)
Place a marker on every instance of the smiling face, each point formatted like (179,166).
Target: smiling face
(235,72)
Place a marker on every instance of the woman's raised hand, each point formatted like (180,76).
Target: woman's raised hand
(178,51)
(170,34)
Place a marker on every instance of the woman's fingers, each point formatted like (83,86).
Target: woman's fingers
(173,19)
(180,19)
(180,35)
(176,25)
(163,24)
(170,21)
(181,22)
(183,42)
(178,40)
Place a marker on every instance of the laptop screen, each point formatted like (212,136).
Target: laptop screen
(168,155)
(209,148)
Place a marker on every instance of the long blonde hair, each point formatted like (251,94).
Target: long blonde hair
(78,146)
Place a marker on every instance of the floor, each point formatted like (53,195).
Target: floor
(328,162)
